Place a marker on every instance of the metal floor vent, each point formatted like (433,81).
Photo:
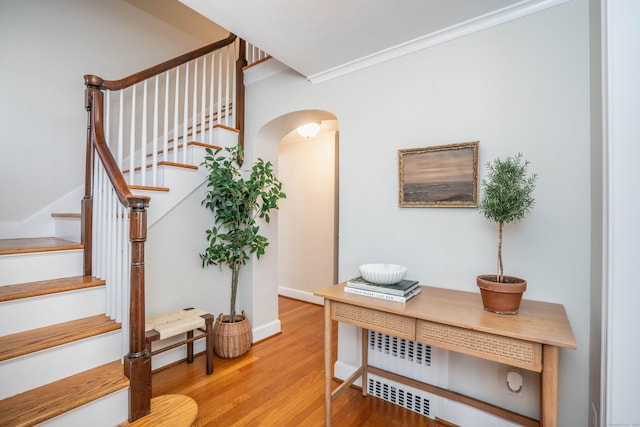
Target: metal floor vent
(400,347)
(406,399)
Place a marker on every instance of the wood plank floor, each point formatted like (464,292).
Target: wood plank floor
(279,382)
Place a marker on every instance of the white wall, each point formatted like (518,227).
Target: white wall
(519,87)
(306,226)
(46,48)
(621,292)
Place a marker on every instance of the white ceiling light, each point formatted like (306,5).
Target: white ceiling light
(309,130)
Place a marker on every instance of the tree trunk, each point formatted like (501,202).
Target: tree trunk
(500,275)
(235,271)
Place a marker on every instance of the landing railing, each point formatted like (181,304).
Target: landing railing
(135,125)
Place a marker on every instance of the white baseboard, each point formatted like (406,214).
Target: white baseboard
(464,415)
(342,371)
(265,331)
(300,295)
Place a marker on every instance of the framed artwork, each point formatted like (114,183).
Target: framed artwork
(439,176)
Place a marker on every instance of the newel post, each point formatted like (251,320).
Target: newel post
(137,363)
(241,62)
(86,207)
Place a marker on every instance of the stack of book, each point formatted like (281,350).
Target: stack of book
(402,291)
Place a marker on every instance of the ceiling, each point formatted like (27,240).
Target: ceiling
(322,39)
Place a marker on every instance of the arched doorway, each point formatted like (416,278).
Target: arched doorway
(314,163)
(308,218)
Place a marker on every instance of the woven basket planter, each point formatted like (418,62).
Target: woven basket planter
(232,339)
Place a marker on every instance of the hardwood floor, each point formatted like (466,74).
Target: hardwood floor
(279,382)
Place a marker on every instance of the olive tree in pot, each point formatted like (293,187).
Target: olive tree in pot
(237,197)
(506,197)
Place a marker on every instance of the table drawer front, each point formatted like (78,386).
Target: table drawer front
(380,321)
(512,351)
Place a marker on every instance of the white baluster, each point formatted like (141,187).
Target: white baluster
(211,86)
(165,144)
(107,116)
(185,121)
(220,63)
(116,314)
(194,119)
(154,144)
(227,96)
(203,106)
(132,140)
(121,129)
(97,223)
(143,137)
(176,128)
(110,248)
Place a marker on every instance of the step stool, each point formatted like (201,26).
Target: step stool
(176,322)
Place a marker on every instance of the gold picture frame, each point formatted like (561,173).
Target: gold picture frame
(439,176)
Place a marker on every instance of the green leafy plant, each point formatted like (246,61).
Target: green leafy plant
(237,197)
(507,196)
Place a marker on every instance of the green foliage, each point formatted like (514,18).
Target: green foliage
(507,196)
(236,200)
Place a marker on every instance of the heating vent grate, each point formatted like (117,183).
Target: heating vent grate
(400,347)
(399,396)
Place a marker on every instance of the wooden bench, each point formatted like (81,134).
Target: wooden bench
(176,322)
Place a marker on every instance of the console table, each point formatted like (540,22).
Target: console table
(456,321)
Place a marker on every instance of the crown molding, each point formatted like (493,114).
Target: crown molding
(498,17)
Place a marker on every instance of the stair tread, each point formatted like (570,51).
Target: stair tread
(46,287)
(168,410)
(50,400)
(39,244)
(26,342)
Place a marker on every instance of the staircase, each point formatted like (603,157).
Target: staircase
(72,345)
(59,353)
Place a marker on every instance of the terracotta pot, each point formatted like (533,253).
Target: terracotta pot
(501,297)
(232,340)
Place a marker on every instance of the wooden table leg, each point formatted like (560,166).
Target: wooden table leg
(328,374)
(189,347)
(365,359)
(549,389)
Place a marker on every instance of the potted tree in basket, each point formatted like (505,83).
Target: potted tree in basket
(236,197)
(506,197)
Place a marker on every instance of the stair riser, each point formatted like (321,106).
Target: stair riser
(67,228)
(224,138)
(179,158)
(31,313)
(34,370)
(109,411)
(148,177)
(22,268)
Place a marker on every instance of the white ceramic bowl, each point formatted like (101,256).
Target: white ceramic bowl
(383,274)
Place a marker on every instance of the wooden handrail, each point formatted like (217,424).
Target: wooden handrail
(114,173)
(138,77)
